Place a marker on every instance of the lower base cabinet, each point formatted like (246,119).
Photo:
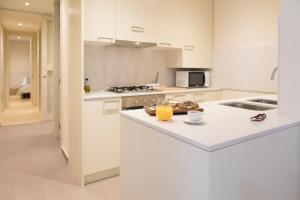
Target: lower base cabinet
(196,96)
(101,128)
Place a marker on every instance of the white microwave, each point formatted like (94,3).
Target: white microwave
(190,79)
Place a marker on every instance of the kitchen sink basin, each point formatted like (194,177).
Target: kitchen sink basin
(247,106)
(266,101)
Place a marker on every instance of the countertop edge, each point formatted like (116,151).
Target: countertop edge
(218,146)
(106,95)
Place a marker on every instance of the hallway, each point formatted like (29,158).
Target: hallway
(32,168)
(20,111)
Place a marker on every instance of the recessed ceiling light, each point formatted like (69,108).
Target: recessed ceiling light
(20,24)
(27,3)
(19,38)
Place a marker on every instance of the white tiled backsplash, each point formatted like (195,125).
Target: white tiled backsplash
(114,66)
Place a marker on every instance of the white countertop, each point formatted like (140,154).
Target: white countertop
(164,90)
(224,126)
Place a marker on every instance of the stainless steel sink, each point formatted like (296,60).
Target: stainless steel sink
(246,106)
(266,101)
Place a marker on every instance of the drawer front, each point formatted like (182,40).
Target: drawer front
(198,98)
(111,107)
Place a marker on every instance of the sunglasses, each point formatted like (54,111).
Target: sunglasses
(258,118)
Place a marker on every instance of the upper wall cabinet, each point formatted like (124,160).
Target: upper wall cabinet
(136,20)
(198,30)
(169,23)
(99,20)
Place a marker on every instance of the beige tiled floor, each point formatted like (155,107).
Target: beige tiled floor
(32,168)
(20,111)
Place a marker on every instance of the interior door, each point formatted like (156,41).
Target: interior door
(47,75)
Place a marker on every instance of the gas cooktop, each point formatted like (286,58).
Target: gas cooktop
(126,89)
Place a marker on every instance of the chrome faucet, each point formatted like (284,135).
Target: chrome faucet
(274,73)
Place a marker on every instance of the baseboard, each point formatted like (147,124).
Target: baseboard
(65,154)
(99,176)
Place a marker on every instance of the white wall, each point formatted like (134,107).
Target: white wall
(289,65)
(19,62)
(64,75)
(2,91)
(72,70)
(113,66)
(245,44)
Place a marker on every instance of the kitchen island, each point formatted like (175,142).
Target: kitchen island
(226,158)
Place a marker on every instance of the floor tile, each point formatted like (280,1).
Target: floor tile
(4,187)
(57,189)
(73,196)
(25,183)
(6,150)
(37,193)
(27,165)
(32,168)
(5,165)
(104,190)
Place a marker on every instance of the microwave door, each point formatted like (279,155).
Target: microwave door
(196,79)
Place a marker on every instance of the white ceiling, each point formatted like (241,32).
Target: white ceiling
(36,6)
(11,19)
(19,38)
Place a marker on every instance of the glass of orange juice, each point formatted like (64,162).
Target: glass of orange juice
(164,113)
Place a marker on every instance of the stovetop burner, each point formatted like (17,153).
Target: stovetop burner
(141,88)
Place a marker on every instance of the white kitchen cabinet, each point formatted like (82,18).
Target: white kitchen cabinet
(101,130)
(180,97)
(197,36)
(197,28)
(170,23)
(197,22)
(99,21)
(136,20)
(212,96)
(195,96)
(196,56)
(198,97)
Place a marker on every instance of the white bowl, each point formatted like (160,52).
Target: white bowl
(194,116)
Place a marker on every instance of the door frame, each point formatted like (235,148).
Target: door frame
(46,65)
(34,62)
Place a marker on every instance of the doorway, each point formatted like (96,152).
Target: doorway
(21,79)
(28,85)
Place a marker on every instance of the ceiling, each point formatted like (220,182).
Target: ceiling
(19,38)
(36,6)
(10,21)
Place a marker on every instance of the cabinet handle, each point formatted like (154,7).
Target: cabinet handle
(189,48)
(165,44)
(105,38)
(137,29)
(111,107)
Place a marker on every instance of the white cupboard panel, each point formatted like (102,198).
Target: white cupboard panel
(198,33)
(99,20)
(169,23)
(101,130)
(136,20)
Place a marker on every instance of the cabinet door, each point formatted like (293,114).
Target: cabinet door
(196,56)
(213,96)
(169,23)
(198,98)
(136,20)
(99,20)
(101,128)
(197,24)
(197,27)
(180,97)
